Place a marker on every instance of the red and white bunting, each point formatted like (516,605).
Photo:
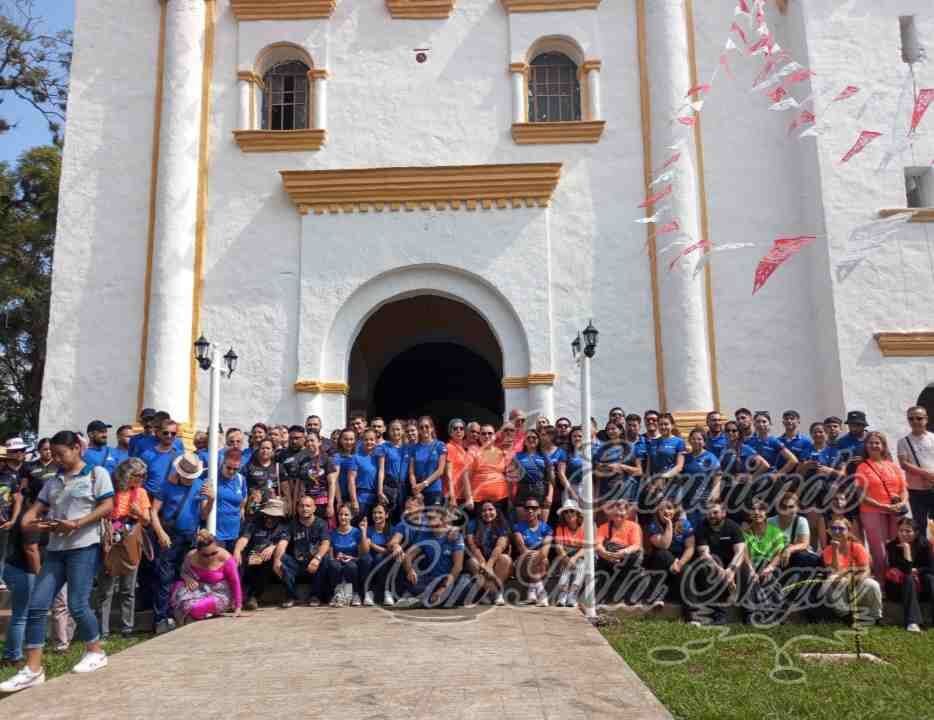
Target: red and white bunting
(781,250)
(865,137)
(687,250)
(652,199)
(847,92)
(922,103)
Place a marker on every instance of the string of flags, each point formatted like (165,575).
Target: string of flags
(778,81)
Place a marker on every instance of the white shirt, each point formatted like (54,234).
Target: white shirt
(923,447)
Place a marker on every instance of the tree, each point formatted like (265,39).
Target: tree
(33,66)
(28,213)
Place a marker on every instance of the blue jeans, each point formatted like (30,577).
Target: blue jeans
(922,508)
(20,584)
(322,581)
(168,563)
(78,568)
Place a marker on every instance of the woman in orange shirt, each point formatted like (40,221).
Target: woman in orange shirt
(884,499)
(485,476)
(619,550)
(456,490)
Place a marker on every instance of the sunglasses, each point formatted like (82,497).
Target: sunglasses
(919,418)
(166,433)
(457,427)
(531,507)
(487,434)
(230,469)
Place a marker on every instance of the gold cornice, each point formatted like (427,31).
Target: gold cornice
(262,141)
(420,9)
(921,215)
(906,344)
(322,386)
(524,381)
(524,6)
(519,67)
(558,133)
(589,65)
(318,74)
(413,188)
(282,9)
(542,378)
(688,420)
(515,383)
(250,77)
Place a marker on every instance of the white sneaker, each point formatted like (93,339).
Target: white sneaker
(24,679)
(500,600)
(314,601)
(388,599)
(572,599)
(355,602)
(368,600)
(531,596)
(90,662)
(562,599)
(542,598)
(913,628)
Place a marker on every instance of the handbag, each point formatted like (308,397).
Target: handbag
(122,555)
(904,510)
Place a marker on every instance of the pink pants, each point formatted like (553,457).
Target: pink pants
(204,607)
(879,527)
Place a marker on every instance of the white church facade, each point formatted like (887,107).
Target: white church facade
(402,206)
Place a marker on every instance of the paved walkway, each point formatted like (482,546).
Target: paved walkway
(349,664)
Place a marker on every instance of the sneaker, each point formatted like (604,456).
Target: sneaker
(368,600)
(24,679)
(913,627)
(531,596)
(572,599)
(314,602)
(389,600)
(562,599)
(337,601)
(356,602)
(90,662)
(162,627)
(695,623)
(500,600)
(287,603)
(251,604)
(542,599)
(407,603)
(61,647)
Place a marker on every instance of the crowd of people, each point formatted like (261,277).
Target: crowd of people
(388,514)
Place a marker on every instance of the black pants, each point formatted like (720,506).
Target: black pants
(922,509)
(620,581)
(322,580)
(256,578)
(672,584)
(705,590)
(907,593)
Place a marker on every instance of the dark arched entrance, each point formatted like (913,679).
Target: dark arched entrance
(926,400)
(427,355)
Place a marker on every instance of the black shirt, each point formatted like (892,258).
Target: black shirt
(264,479)
(920,556)
(15,551)
(35,475)
(721,540)
(304,541)
(260,537)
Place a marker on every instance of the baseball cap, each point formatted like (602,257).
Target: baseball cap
(147,414)
(97,426)
(15,444)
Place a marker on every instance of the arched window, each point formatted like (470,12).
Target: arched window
(286,97)
(554,89)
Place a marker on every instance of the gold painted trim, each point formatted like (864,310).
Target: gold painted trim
(186,433)
(515,383)
(519,67)
(282,9)
(558,133)
(318,74)
(906,344)
(704,214)
(153,191)
(921,215)
(589,65)
(322,386)
(263,141)
(542,378)
(688,420)
(524,6)
(201,222)
(250,77)
(424,188)
(420,9)
(645,104)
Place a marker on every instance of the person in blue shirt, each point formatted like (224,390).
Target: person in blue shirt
(781,460)
(716,440)
(615,467)
(851,447)
(231,499)
(234,438)
(666,452)
(346,550)
(179,506)
(392,464)
(98,452)
(147,438)
(739,464)
(557,458)
(159,459)
(700,478)
(533,473)
(434,565)
(799,445)
(488,558)
(574,470)
(427,463)
(819,475)
(342,469)
(633,436)
(124,435)
(374,557)
(365,481)
(531,542)
(671,537)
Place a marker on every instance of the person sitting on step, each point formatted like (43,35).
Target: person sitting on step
(304,552)
(257,542)
(209,584)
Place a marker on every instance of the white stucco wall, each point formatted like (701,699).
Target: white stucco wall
(274,281)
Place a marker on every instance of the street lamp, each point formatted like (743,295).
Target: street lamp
(589,347)
(206,353)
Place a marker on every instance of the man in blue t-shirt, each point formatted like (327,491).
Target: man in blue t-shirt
(434,564)
(799,445)
(851,447)
(716,439)
(159,458)
(98,452)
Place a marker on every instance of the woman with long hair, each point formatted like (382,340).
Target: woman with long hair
(671,540)
(209,584)
(456,491)
(366,482)
(70,507)
(849,587)
(568,543)
(488,557)
(487,472)
(342,470)
(700,477)
(534,474)
(884,499)
(262,475)
(374,550)
(427,463)
(531,541)
(557,458)
(346,543)
(574,467)
(392,464)
(739,464)
(910,575)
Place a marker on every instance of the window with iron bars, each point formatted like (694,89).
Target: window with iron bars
(285,100)
(554,89)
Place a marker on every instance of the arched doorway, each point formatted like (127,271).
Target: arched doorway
(926,400)
(427,355)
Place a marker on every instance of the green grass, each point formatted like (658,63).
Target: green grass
(61,663)
(718,674)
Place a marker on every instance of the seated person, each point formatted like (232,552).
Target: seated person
(488,557)
(762,598)
(569,542)
(671,537)
(531,542)
(258,541)
(849,590)
(346,542)
(794,526)
(619,551)
(375,549)
(910,576)
(304,553)
(721,551)
(405,534)
(210,582)
(434,564)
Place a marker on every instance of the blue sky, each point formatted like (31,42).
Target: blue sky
(31,128)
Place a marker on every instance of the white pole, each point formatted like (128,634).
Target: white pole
(590,609)
(212,434)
